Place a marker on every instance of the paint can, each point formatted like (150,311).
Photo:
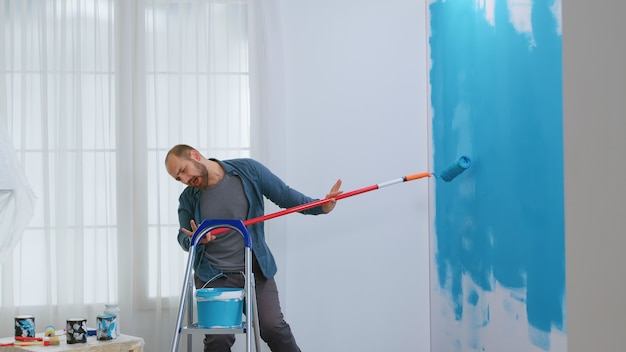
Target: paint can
(219,307)
(25,326)
(76,330)
(107,327)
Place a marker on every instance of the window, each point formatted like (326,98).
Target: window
(59,111)
(197,94)
(61,106)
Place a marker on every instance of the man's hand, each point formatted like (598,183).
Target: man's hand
(334,191)
(194,227)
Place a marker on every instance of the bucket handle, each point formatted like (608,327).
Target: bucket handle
(218,276)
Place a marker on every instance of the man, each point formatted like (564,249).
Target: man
(235,189)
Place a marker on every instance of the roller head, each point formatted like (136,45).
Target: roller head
(455,169)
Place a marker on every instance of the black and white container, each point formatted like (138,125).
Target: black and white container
(76,330)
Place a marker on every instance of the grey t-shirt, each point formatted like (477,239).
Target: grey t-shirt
(226,200)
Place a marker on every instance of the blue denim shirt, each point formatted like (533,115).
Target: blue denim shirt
(258,182)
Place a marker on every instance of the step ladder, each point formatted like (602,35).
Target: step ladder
(186,299)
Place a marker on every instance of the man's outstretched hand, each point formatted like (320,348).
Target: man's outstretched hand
(194,227)
(334,191)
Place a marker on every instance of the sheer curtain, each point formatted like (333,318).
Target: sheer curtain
(57,78)
(94,93)
(197,93)
(16,197)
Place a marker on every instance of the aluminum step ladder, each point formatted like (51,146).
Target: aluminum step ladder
(186,299)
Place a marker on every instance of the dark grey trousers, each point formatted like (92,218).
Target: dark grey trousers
(274,329)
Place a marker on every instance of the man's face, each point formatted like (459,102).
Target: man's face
(188,171)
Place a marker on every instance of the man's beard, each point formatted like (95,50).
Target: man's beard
(204,175)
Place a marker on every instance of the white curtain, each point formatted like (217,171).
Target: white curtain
(57,79)
(16,197)
(197,93)
(94,93)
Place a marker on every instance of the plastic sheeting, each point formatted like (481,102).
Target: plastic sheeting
(16,198)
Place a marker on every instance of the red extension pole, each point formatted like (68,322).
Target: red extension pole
(317,203)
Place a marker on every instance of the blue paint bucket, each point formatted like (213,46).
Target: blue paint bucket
(219,307)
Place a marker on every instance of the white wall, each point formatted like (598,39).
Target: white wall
(594,93)
(355,80)
(347,114)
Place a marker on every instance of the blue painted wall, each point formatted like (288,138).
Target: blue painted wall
(496,96)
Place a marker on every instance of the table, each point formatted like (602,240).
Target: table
(123,343)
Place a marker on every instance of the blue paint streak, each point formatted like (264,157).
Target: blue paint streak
(472,298)
(499,101)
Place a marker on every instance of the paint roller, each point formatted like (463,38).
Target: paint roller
(455,169)
(447,175)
